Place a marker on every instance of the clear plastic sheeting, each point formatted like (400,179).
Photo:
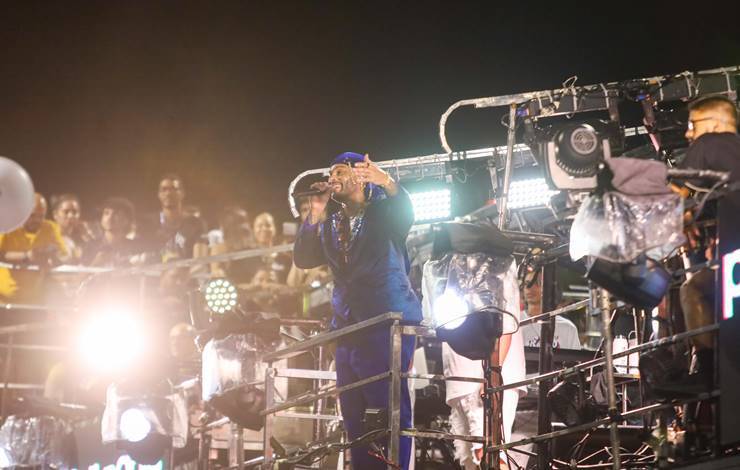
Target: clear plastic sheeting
(459,284)
(33,441)
(228,363)
(619,227)
(133,417)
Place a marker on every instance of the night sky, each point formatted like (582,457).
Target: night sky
(102,97)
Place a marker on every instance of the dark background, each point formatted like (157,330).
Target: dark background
(101,98)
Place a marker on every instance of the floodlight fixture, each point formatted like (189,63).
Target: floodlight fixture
(431,205)
(532,192)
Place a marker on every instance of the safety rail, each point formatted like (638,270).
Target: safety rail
(155,268)
(391,320)
(9,345)
(397,330)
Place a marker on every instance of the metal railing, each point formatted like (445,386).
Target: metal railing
(395,373)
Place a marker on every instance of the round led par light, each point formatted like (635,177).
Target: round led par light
(221,296)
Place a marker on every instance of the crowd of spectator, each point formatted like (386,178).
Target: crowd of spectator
(120,237)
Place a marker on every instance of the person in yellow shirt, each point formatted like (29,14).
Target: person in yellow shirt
(38,242)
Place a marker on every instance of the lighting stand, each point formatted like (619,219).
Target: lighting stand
(492,405)
(204,448)
(547,332)
(508,167)
(605,306)
(236,447)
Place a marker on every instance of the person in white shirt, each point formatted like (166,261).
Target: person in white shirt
(464,398)
(565,336)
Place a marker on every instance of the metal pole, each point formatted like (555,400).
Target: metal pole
(603,421)
(600,361)
(395,395)
(269,402)
(171,459)
(547,332)
(718,319)
(511,138)
(236,447)
(6,377)
(604,306)
(320,404)
(492,408)
(204,446)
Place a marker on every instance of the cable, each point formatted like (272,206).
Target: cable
(320,452)
(698,189)
(700,206)
(577,449)
(516,322)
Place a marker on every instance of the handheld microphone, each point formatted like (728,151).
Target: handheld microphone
(310,192)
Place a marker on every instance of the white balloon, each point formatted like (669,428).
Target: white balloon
(17,196)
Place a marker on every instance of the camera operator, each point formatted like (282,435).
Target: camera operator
(714,145)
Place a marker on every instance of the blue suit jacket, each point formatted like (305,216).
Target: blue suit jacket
(375,280)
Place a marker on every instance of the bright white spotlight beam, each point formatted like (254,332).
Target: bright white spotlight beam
(449,310)
(134,425)
(111,340)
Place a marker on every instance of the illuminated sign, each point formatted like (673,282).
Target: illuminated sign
(730,283)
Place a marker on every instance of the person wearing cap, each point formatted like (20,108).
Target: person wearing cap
(358,226)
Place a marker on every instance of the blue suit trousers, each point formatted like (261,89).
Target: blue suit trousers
(361,356)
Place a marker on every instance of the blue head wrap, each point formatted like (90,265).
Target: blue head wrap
(348,158)
(372,192)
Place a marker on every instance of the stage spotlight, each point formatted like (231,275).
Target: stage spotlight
(432,205)
(468,323)
(112,340)
(145,421)
(134,425)
(572,151)
(529,193)
(474,335)
(228,377)
(221,296)
(464,282)
(641,283)
(449,310)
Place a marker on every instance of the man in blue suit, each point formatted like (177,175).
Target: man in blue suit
(358,226)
